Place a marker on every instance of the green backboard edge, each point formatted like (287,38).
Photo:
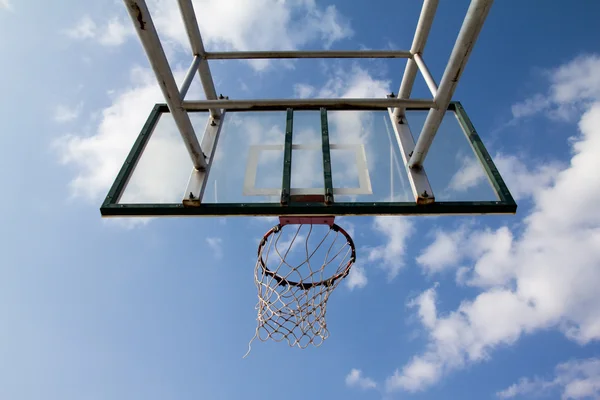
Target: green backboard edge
(112,208)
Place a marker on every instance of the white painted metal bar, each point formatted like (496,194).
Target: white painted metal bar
(194,193)
(185,86)
(307,103)
(191,25)
(391,173)
(419,182)
(248,55)
(418,45)
(476,15)
(394,158)
(426,74)
(364,181)
(147,33)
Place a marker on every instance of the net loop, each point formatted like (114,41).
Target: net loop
(293,288)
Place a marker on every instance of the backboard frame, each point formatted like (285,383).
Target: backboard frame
(504,205)
(413,153)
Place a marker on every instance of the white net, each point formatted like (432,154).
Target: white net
(294,281)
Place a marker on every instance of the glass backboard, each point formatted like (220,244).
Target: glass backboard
(309,162)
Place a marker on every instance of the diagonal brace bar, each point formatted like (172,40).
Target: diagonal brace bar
(327,175)
(160,65)
(419,182)
(469,31)
(194,193)
(286,185)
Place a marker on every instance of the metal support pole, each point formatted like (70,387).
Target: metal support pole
(194,193)
(282,104)
(419,182)
(418,45)
(250,55)
(426,74)
(476,14)
(185,86)
(326,148)
(147,32)
(191,25)
(286,184)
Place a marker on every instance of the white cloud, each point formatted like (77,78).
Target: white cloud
(6,4)
(526,387)
(355,82)
(530,106)
(444,252)
(216,245)
(427,309)
(491,254)
(575,379)
(113,33)
(522,181)
(85,28)
(303,90)
(470,175)
(573,87)
(392,254)
(542,276)
(255,25)
(487,250)
(98,157)
(414,376)
(355,379)
(357,278)
(64,113)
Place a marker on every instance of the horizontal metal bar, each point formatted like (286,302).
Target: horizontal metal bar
(146,31)
(249,55)
(469,31)
(331,104)
(308,209)
(426,75)
(185,86)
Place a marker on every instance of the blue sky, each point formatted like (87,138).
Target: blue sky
(490,307)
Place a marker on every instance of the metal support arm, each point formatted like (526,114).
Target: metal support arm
(418,45)
(476,15)
(160,65)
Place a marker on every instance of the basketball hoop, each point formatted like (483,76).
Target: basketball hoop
(292,289)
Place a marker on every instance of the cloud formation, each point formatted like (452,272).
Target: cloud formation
(391,255)
(255,25)
(6,4)
(64,113)
(357,380)
(577,379)
(113,32)
(573,86)
(357,278)
(541,276)
(216,245)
